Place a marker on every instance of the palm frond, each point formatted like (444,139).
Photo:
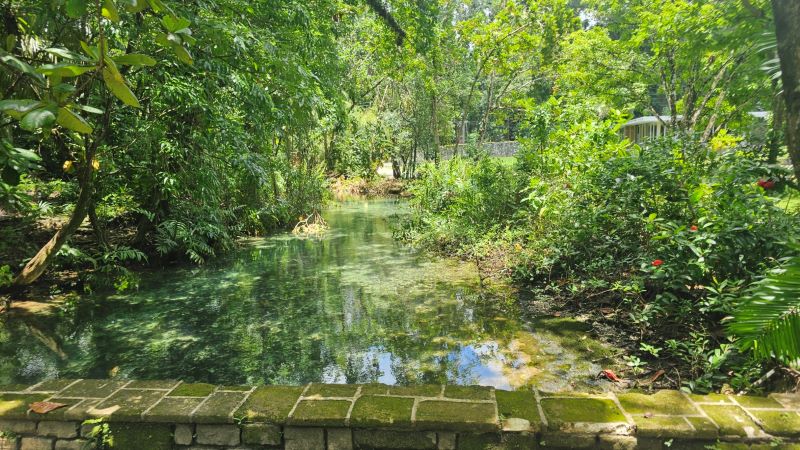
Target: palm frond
(768,319)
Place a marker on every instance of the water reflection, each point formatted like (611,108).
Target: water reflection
(352,307)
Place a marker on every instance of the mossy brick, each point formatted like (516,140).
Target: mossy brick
(304,438)
(565,410)
(261,434)
(192,390)
(64,412)
(662,402)
(173,410)
(473,441)
(732,421)
(17,427)
(15,406)
(422,390)
(152,384)
(219,407)
(456,416)
(14,387)
(711,398)
(518,404)
(779,423)
(520,441)
(126,405)
(567,440)
(339,438)
(52,385)
(269,404)
(321,413)
(791,401)
(331,390)
(374,389)
(234,387)
(131,436)
(703,427)
(390,439)
(662,426)
(371,410)
(58,429)
(92,388)
(469,392)
(751,401)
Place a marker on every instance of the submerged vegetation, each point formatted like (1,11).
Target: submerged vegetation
(148,132)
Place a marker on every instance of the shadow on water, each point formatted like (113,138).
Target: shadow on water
(351,306)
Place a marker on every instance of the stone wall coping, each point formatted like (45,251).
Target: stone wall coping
(440,408)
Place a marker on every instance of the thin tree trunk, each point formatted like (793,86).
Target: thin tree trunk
(787,32)
(38,264)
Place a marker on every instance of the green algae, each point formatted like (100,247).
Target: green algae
(192,390)
(518,405)
(465,416)
(572,410)
(321,413)
(269,404)
(371,410)
(662,402)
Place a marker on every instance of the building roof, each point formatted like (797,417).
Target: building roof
(644,120)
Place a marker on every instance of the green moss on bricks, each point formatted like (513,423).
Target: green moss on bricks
(93,388)
(126,405)
(234,388)
(269,404)
(732,420)
(662,426)
(468,392)
(53,385)
(128,436)
(424,390)
(331,390)
(779,423)
(469,441)
(662,402)
(703,427)
(371,410)
(152,384)
(174,410)
(320,413)
(192,390)
(518,404)
(374,388)
(13,387)
(219,407)
(559,411)
(463,416)
(711,398)
(757,402)
(15,406)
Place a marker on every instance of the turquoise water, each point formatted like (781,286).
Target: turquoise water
(350,306)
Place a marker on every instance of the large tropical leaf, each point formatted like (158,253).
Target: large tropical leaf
(768,319)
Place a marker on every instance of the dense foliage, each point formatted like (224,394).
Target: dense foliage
(175,127)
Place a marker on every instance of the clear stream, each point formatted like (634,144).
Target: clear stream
(352,306)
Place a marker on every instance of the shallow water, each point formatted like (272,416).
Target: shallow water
(352,306)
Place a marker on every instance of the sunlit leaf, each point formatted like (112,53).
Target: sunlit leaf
(109,11)
(135,59)
(72,121)
(38,118)
(76,8)
(116,84)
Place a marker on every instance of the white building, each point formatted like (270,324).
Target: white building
(649,127)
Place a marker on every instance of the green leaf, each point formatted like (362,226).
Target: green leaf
(72,121)
(17,64)
(66,54)
(135,59)
(135,6)
(174,23)
(64,70)
(157,5)
(93,52)
(38,118)
(116,84)
(76,8)
(17,108)
(90,109)
(109,11)
(183,54)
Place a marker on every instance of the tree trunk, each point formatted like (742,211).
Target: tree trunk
(787,32)
(38,264)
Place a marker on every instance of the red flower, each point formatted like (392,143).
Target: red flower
(657,262)
(693,228)
(766,184)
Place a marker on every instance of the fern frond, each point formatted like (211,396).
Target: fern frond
(768,319)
